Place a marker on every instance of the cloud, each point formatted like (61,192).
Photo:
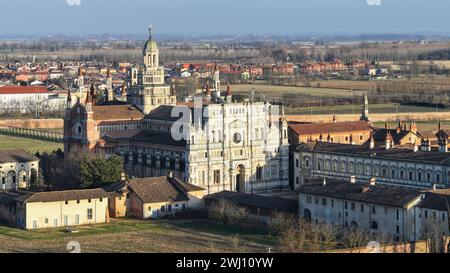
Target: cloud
(73,2)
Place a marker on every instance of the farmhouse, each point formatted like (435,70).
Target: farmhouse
(29,210)
(153,197)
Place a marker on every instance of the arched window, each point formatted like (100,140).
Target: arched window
(384,171)
(22,176)
(351,167)
(343,167)
(368,169)
(376,170)
(327,165)
(11,177)
(359,168)
(319,164)
(335,166)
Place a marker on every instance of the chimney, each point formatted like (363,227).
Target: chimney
(352,179)
(413,127)
(372,141)
(169,174)
(389,140)
(372,181)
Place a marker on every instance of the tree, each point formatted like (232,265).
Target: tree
(99,170)
(227,212)
(56,169)
(354,237)
(280,222)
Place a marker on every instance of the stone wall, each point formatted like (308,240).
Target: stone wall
(418,116)
(33,123)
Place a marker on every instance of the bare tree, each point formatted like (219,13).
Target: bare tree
(227,212)
(354,237)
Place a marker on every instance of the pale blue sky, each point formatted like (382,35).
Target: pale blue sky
(224,16)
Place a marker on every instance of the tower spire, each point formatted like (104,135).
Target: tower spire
(228,96)
(150,32)
(365,110)
(69,100)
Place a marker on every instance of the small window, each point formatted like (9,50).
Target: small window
(46,220)
(352,205)
(89,214)
(398,229)
(324,201)
(169,208)
(66,202)
(149,208)
(78,201)
(89,200)
(163,208)
(374,210)
(101,199)
(362,208)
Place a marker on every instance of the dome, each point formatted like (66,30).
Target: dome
(150,46)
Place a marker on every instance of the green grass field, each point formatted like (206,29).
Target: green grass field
(127,235)
(32,145)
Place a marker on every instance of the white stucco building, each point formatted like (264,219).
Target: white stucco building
(400,213)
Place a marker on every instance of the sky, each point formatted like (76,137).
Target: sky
(80,17)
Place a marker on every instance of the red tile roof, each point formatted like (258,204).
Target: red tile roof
(15,89)
(116,113)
